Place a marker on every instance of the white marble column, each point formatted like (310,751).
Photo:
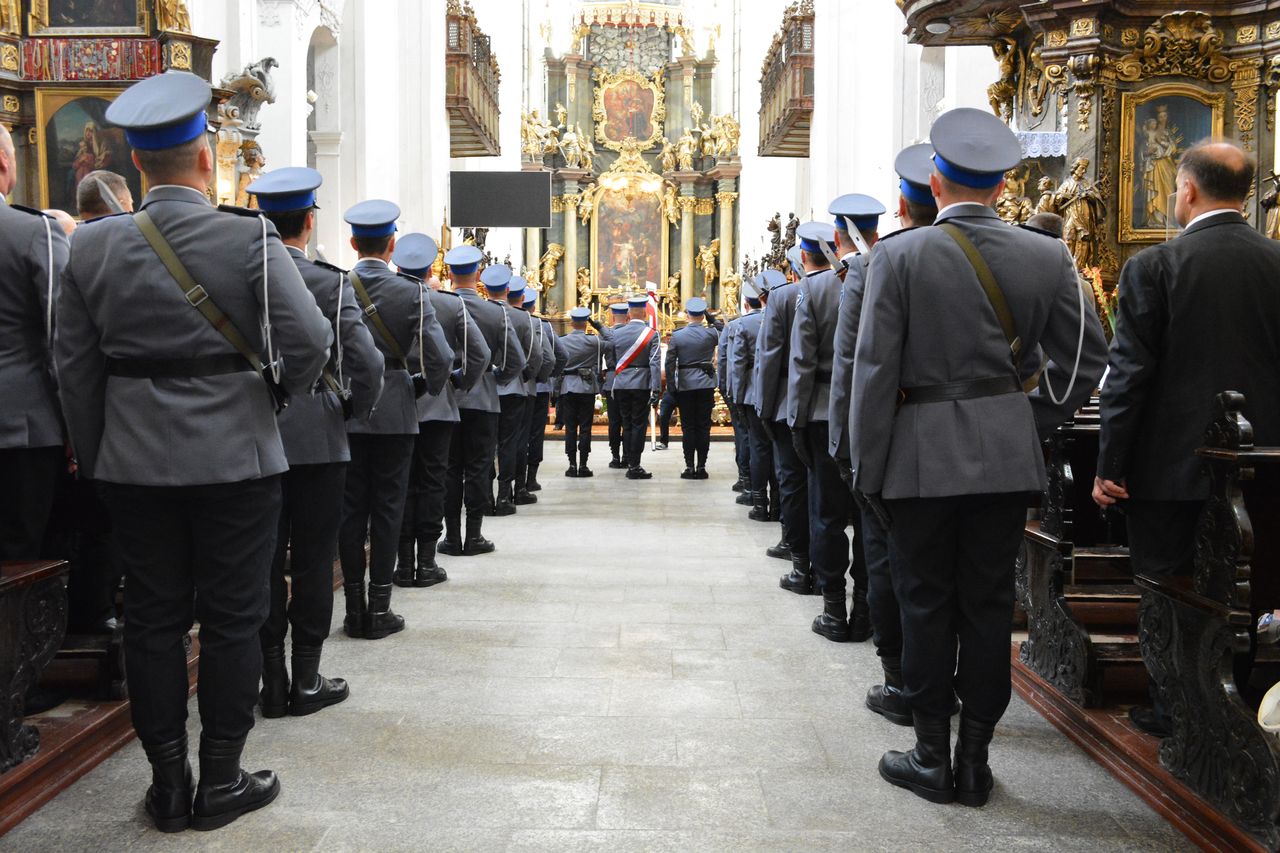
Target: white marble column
(329,224)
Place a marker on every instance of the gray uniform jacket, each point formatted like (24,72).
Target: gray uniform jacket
(925,321)
(546,352)
(410,317)
(773,351)
(553,356)
(507,360)
(583,355)
(119,301)
(688,350)
(635,377)
(607,333)
(846,342)
(29,411)
(724,352)
(313,428)
(813,335)
(743,370)
(471,356)
(525,380)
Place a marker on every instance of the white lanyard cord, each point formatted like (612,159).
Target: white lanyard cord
(48,311)
(337,334)
(272,361)
(1075,370)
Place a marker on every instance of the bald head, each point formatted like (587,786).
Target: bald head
(8,163)
(1213,176)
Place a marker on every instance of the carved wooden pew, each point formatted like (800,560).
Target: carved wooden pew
(33,618)
(1073,579)
(1195,630)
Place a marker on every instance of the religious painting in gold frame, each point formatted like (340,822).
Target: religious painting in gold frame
(1157,125)
(89,17)
(74,138)
(628,240)
(628,105)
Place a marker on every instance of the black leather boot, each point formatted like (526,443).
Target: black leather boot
(572,470)
(833,622)
(311,691)
(859,616)
(504,506)
(428,573)
(973,774)
(774,502)
(583,470)
(380,621)
(522,495)
(169,797)
(781,551)
(700,473)
(451,544)
(745,498)
(687,473)
(800,580)
(638,473)
(225,791)
(741,485)
(887,699)
(404,562)
(353,623)
(531,483)
(475,543)
(616,463)
(925,770)
(759,507)
(275,683)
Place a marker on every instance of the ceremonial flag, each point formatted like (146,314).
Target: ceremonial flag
(651,309)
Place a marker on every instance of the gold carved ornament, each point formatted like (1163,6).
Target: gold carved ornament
(1185,44)
(1273,30)
(10,17)
(9,57)
(1081,27)
(726,198)
(606,80)
(704,207)
(1245,84)
(172,16)
(11,104)
(1247,34)
(180,55)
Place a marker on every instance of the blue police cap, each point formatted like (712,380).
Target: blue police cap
(811,234)
(290,188)
(793,258)
(515,289)
(464,259)
(771,279)
(750,290)
(696,307)
(530,297)
(414,254)
(914,165)
(373,218)
(581,314)
(618,307)
(638,300)
(496,276)
(163,111)
(973,147)
(862,210)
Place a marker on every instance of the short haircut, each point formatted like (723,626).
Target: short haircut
(1216,176)
(89,200)
(166,164)
(289,223)
(1046,221)
(816,259)
(979,195)
(373,245)
(921,214)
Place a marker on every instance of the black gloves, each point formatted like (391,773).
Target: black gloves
(800,443)
(875,504)
(654,397)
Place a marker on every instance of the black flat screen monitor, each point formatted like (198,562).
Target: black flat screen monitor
(500,199)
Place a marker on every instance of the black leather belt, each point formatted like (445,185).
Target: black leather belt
(970,389)
(178,368)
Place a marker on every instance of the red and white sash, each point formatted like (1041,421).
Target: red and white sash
(641,343)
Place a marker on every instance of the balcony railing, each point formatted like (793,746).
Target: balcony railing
(471,85)
(786,86)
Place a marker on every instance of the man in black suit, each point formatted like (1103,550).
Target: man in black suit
(1197,315)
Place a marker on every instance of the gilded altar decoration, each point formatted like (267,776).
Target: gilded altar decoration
(629,229)
(537,136)
(172,16)
(71,18)
(1157,125)
(707,259)
(1185,44)
(670,205)
(584,285)
(667,159)
(1080,205)
(9,56)
(628,105)
(1002,93)
(1013,205)
(1246,80)
(10,17)
(729,290)
(11,104)
(74,138)
(547,265)
(686,149)
(251,162)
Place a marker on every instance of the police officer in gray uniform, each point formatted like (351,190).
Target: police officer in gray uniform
(618,317)
(638,380)
(33,251)
(475,439)
(418,361)
(946,445)
(513,394)
(314,432)
(916,208)
(745,382)
(831,505)
(772,388)
(577,386)
(741,440)
(553,357)
(691,372)
(539,370)
(178,425)
(437,416)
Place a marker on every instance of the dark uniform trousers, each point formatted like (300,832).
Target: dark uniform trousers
(79,531)
(577,411)
(475,438)
(952,560)
(886,619)
(793,488)
(523,431)
(666,410)
(633,406)
(1161,535)
(764,478)
(741,441)
(831,510)
(428,473)
(537,429)
(310,515)
(373,505)
(614,411)
(512,429)
(194,552)
(28,479)
(695,423)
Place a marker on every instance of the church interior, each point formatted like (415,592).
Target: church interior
(625,674)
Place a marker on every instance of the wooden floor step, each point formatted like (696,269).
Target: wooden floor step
(1097,606)
(1100,564)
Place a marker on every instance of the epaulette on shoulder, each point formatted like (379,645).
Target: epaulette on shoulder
(328,266)
(412,278)
(33,211)
(240,211)
(448,293)
(897,233)
(1034,230)
(104,217)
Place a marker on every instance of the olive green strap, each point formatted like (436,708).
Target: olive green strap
(989,286)
(371,311)
(194,293)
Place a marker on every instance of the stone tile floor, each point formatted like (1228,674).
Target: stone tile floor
(623,674)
